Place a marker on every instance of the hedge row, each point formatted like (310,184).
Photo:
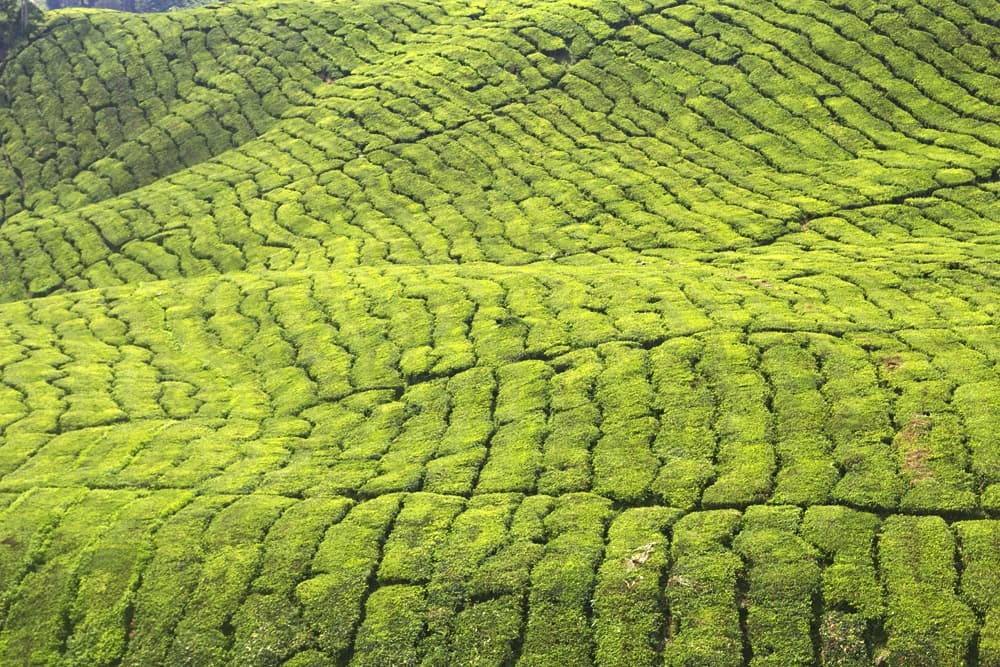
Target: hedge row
(365,383)
(125,577)
(299,137)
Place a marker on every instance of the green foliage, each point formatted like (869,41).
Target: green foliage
(109,574)
(232,542)
(974,401)
(846,539)
(332,598)
(627,596)
(442,333)
(782,573)
(979,583)
(268,626)
(42,596)
(18,19)
(422,524)
(474,597)
(172,574)
(684,441)
(859,427)
(392,627)
(562,583)
(807,472)
(701,591)
(746,460)
(623,463)
(926,622)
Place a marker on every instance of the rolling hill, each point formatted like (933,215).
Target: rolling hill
(453,332)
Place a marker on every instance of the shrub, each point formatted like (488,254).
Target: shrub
(701,592)
(927,623)
(628,617)
(782,573)
(332,598)
(980,587)
(562,582)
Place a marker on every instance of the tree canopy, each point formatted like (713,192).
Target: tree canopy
(17,17)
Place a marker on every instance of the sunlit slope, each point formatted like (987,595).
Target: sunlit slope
(169,577)
(670,386)
(541,333)
(300,135)
(475,465)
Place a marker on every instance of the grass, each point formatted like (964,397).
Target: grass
(612,332)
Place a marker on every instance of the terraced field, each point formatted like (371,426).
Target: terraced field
(613,332)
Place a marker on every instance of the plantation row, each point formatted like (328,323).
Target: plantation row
(167,577)
(303,137)
(640,388)
(100,246)
(106,103)
(615,332)
(961,213)
(209,221)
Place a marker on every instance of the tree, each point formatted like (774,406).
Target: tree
(17,18)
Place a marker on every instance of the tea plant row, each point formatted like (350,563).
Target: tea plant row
(543,379)
(297,137)
(95,577)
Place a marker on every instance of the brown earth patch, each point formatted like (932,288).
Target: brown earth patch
(892,362)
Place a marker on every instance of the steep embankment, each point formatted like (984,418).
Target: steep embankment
(478,333)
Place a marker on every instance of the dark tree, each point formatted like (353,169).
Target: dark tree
(17,18)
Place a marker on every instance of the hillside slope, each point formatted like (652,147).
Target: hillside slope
(468,333)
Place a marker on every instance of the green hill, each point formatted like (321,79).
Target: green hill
(480,333)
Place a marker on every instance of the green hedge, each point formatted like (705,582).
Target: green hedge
(702,591)
(926,622)
(783,574)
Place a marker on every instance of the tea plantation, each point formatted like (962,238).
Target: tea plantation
(492,332)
